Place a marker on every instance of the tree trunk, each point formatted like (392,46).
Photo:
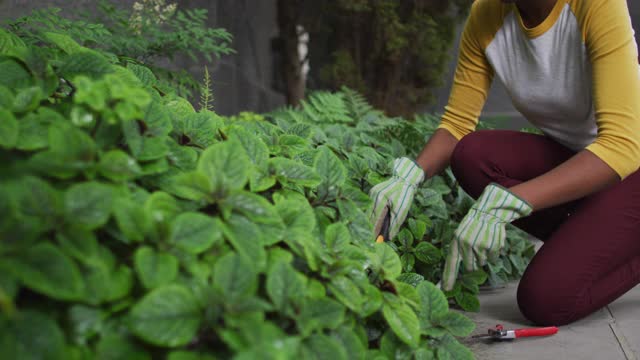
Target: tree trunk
(288,17)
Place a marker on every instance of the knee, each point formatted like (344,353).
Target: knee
(467,162)
(544,306)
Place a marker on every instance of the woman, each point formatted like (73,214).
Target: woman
(571,68)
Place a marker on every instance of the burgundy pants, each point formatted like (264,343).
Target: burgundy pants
(591,251)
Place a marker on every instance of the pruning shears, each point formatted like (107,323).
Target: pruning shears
(384,230)
(499,333)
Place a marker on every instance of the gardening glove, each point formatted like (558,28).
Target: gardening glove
(395,195)
(482,232)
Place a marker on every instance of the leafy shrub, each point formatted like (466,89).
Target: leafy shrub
(148,32)
(132,226)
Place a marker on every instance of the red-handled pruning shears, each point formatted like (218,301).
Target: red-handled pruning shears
(499,333)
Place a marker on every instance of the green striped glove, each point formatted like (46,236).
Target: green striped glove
(395,195)
(482,232)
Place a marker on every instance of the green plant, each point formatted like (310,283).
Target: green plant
(132,226)
(206,95)
(149,31)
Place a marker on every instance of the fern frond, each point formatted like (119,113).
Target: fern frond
(358,106)
(325,107)
(206,95)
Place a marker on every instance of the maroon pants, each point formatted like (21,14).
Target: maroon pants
(591,251)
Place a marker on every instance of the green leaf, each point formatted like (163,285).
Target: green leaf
(347,292)
(408,261)
(143,73)
(478,276)
(260,181)
(433,303)
(330,168)
(394,348)
(402,320)
(155,269)
(347,337)
(283,285)
(195,232)
(320,313)
(106,282)
(287,170)
(412,279)
(468,301)
(232,274)
(226,165)
(133,136)
(451,349)
(387,261)
(47,270)
(425,354)
(198,129)
(182,157)
(14,75)
(247,238)
(337,237)
(320,347)
(81,244)
(132,219)
(418,228)
(9,128)
(517,262)
(470,285)
(11,44)
(300,222)
(189,355)
(64,42)
(157,120)
(38,202)
(113,346)
(33,133)
(153,148)
(30,335)
(255,207)
(116,165)
(88,204)
(86,62)
(405,239)
(427,253)
(86,322)
(456,323)
(192,185)
(167,316)
(359,225)
(255,148)
(27,99)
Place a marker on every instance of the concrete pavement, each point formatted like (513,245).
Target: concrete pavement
(612,333)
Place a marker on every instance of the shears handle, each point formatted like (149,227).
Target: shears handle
(536,332)
(384,230)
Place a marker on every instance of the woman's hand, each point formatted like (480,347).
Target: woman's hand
(482,232)
(395,195)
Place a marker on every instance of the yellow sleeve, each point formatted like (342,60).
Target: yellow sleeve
(473,74)
(608,36)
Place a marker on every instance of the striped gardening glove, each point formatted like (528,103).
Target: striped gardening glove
(395,195)
(482,232)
